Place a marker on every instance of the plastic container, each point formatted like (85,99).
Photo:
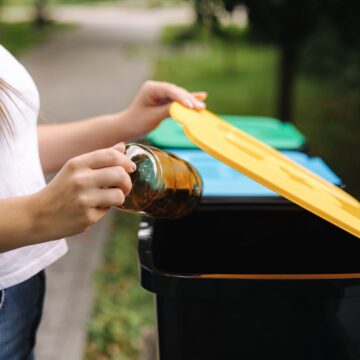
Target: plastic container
(163,184)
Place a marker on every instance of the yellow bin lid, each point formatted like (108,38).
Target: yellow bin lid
(269,167)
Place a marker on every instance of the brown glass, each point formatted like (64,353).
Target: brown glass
(164,185)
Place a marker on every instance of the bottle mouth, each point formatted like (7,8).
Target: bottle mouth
(170,186)
(147,177)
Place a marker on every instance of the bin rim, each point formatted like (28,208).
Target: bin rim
(167,284)
(325,276)
(281,276)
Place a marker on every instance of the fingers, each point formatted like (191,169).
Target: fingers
(97,213)
(187,99)
(104,158)
(105,198)
(120,147)
(177,93)
(200,95)
(115,176)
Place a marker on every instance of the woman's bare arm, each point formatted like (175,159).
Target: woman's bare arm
(79,195)
(60,142)
(18,223)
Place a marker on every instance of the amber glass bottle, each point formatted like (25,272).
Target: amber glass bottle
(164,185)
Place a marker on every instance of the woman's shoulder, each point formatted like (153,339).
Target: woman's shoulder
(9,66)
(7,59)
(17,76)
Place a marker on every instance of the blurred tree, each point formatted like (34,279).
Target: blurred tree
(207,12)
(288,24)
(199,12)
(41,17)
(344,17)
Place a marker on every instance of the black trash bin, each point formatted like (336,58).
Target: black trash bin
(252,277)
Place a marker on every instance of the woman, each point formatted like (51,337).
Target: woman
(93,176)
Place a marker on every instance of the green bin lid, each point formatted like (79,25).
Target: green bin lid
(273,132)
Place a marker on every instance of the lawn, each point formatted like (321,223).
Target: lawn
(86,2)
(122,306)
(59,2)
(21,36)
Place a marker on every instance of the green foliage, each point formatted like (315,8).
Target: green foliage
(122,307)
(182,34)
(328,56)
(286,21)
(289,25)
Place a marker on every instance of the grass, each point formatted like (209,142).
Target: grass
(58,2)
(21,36)
(84,2)
(230,77)
(87,2)
(122,306)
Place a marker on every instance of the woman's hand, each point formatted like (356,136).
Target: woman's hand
(151,105)
(83,191)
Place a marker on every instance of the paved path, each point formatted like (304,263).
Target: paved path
(93,69)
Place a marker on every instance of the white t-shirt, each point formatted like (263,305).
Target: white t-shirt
(20,170)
